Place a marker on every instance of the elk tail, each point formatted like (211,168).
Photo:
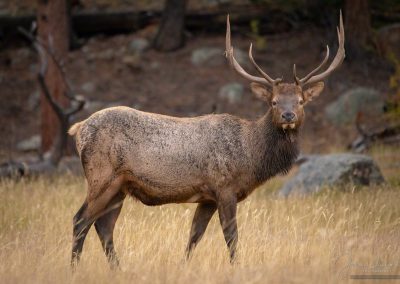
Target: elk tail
(75,128)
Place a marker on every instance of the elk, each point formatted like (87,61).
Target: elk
(214,160)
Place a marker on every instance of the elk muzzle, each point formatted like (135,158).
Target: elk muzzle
(288,120)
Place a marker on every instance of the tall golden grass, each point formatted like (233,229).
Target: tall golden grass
(326,237)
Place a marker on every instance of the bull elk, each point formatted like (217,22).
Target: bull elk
(215,160)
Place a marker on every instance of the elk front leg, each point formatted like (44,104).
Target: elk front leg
(202,217)
(227,204)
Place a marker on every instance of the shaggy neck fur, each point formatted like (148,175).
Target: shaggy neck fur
(277,149)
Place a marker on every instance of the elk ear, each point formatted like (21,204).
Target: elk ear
(261,92)
(313,91)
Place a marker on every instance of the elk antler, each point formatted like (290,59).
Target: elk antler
(340,55)
(267,80)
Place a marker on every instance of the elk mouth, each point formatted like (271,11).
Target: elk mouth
(288,126)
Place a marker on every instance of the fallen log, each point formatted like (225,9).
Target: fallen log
(17,169)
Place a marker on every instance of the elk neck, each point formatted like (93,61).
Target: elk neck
(275,149)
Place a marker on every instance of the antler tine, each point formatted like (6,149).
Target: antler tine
(296,79)
(262,73)
(339,57)
(235,65)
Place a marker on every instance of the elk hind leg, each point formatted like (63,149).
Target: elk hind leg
(91,210)
(105,227)
(81,227)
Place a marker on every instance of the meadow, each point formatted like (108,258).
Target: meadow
(327,237)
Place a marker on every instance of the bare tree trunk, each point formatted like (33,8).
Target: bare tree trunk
(358,26)
(63,115)
(170,35)
(53,30)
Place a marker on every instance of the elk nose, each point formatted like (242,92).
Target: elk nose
(288,116)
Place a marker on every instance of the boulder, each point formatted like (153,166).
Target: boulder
(139,45)
(321,171)
(88,87)
(214,56)
(30,144)
(210,56)
(345,109)
(133,62)
(154,65)
(232,92)
(108,54)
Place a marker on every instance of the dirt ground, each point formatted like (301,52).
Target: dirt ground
(103,69)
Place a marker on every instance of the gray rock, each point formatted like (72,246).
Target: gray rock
(344,110)
(214,56)
(107,54)
(139,45)
(85,49)
(133,62)
(30,144)
(71,165)
(154,65)
(210,56)
(88,87)
(321,171)
(232,92)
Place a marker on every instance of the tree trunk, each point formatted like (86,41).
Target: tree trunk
(357,26)
(53,30)
(170,35)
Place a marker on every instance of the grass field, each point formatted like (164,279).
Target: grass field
(326,237)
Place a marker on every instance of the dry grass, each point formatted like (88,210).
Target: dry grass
(322,238)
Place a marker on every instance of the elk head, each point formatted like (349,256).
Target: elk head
(287,100)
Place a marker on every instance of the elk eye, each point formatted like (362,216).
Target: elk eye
(274,103)
(301,102)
